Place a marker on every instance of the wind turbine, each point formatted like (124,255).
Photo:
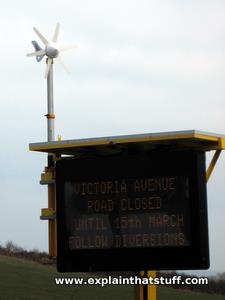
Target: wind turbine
(52,51)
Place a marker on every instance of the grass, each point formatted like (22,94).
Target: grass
(25,280)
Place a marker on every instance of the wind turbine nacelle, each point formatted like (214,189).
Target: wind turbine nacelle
(51,50)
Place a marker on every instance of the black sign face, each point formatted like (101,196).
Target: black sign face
(132,212)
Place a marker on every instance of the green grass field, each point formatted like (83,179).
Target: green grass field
(27,280)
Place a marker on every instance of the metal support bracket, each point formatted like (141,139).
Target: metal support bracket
(212,164)
(48,176)
(50,116)
(47,214)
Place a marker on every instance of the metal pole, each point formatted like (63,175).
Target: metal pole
(146,292)
(50,115)
(51,137)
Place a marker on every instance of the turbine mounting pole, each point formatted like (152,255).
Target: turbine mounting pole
(50,115)
(51,137)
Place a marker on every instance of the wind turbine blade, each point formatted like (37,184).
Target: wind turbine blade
(59,60)
(56,33)
(68,47)
(43,39)
(37,53)
(48,66)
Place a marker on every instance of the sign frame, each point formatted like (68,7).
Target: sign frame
(188,163)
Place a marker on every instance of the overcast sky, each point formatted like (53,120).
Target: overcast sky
(141,66)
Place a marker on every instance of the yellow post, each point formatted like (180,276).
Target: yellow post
(151,287)
(139,290)
(146,292)
(51,223)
